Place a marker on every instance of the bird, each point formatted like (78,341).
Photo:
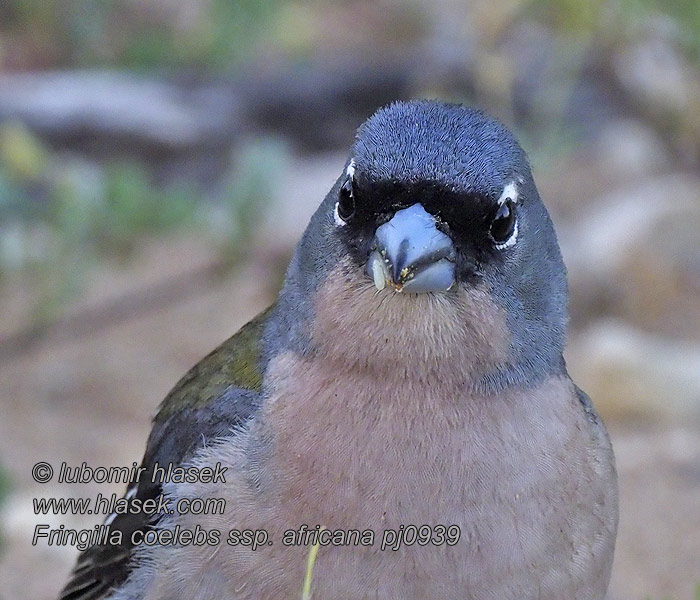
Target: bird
(405,401)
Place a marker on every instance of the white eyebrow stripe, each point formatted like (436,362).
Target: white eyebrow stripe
(510,190)
(350,171)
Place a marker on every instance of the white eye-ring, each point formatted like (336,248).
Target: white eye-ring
(504,227)
(336,217)
(345,206)
(511,240)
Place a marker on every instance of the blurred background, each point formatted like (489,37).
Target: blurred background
(160,158)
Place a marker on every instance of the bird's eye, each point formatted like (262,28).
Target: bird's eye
(345,207)
(504,227)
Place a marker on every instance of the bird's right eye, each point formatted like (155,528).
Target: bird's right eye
(504,227)
(345,207)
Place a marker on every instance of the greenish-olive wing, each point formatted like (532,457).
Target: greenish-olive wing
(216,395)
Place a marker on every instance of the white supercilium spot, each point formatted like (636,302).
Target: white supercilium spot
(509,191)
(350,172)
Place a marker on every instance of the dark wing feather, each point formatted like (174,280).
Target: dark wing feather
(217,394)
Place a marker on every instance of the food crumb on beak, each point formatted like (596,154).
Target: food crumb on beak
(379,270)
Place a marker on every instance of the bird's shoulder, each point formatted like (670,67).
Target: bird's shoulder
(214,397)
(234,363)
(587,405)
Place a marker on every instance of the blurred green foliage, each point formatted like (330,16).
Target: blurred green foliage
(157,34)
(613,20)
(216,34)
(61,216)
(682,20)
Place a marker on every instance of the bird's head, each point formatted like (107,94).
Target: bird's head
(435,234)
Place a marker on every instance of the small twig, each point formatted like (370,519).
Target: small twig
(310,561)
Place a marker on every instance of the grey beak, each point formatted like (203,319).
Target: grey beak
(411,254)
